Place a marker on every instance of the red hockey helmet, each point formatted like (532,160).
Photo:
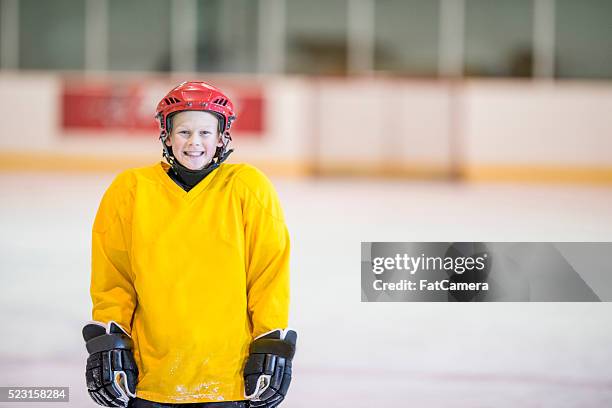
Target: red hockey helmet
(196,95)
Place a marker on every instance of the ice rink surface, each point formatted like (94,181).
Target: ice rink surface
(350,354)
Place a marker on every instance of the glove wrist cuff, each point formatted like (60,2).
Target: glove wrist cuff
(108,342)
(273,346)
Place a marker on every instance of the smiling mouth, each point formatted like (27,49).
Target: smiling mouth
(193,154)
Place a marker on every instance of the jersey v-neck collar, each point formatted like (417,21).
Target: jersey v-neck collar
(162,172)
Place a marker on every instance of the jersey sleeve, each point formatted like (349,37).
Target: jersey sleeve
(267,248)
(112,290)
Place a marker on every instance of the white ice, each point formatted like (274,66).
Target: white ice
(350,354)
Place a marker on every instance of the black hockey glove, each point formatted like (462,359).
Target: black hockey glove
(267,373)
(111,371)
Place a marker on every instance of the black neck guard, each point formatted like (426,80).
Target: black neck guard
(187,178)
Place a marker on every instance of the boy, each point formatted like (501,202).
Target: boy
(190,273)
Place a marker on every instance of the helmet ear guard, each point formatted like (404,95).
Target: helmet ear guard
(163,135)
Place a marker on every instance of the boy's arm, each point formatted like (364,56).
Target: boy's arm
(267,259)
(112,290)
(111,373)
(268,278)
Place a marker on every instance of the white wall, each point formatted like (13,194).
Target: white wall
(567,123)
(30,112)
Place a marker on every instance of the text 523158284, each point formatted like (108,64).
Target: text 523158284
(22,394)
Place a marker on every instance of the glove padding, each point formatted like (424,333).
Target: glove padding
(111,371)
(267,373)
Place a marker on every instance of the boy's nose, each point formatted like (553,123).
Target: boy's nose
(195,140)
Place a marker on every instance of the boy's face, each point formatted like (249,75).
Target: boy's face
(194,138)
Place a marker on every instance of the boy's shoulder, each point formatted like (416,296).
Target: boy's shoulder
(127,179)
(243,171)
(146,171)
(248,175)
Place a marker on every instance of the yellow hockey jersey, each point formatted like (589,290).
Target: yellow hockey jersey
(192,276)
